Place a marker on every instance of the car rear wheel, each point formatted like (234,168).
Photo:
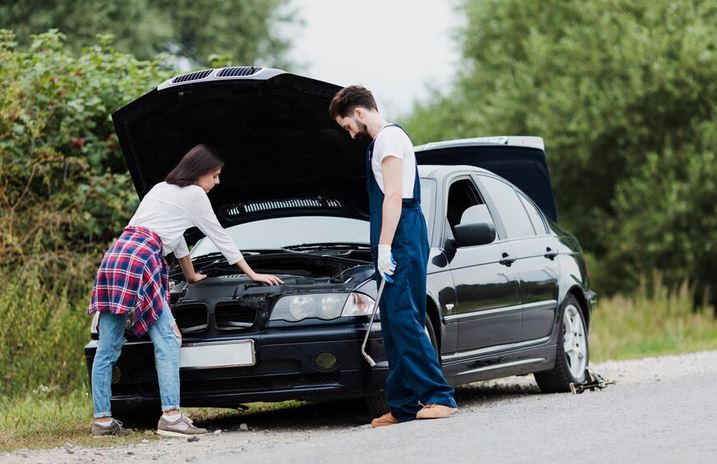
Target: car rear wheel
(376,402)
(572,355)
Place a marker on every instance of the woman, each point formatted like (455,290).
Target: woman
(132,284)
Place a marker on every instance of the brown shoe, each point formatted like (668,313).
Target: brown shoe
(386,419)
(435,411)
(113,428)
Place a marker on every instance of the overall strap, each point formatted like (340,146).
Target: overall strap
(416,181)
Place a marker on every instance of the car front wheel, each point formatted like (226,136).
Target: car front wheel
(571,357)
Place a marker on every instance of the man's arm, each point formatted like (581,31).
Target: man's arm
(393,196)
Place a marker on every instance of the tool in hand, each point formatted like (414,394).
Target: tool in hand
(368,358)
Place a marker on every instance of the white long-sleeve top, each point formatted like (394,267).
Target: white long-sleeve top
(168,210)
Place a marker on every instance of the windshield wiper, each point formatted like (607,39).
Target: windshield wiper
(330,245)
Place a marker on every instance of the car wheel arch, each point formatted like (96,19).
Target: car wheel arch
(432,312)
(579,294)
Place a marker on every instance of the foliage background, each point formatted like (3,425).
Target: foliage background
(241,30)
(624,93)
(64,188)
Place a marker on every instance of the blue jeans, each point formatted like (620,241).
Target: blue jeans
(166,357)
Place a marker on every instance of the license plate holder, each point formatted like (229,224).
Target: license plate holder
(211,355)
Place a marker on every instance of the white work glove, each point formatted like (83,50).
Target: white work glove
(386,264)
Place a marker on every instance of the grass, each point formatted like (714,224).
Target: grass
(651,322)
(39,420)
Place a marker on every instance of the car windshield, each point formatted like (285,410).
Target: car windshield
(295,230)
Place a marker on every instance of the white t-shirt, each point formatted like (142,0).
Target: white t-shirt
(168,210)
(393,141)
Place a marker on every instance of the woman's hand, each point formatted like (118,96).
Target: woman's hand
(177,332)
(266,279)
(185,263)
(196,277)
(263,278)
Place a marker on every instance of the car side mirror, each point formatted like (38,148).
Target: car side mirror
(480,233)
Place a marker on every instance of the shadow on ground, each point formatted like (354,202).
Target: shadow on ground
(339,415)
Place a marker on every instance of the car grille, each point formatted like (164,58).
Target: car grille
(234,315)
(191,318)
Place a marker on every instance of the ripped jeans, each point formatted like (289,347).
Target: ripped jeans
(166,356)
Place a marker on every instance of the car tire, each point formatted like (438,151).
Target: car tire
(376,402)
(572,351)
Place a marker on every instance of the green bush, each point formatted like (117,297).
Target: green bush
(64,188)
(64,195)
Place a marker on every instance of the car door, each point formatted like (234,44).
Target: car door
(535,255)
(487,308)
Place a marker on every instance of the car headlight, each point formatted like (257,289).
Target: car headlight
(324,306)
(358,304)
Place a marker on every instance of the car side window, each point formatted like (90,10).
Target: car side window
(535,217)
(509,206)
(465,204)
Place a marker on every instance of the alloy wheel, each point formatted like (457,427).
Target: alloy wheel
(574,344)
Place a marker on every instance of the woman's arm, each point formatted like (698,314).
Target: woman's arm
(188,269)
(204,218)
(265,278)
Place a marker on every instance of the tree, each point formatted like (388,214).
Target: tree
(616,87)
(245,30)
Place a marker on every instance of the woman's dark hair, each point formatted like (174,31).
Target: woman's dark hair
(200,160)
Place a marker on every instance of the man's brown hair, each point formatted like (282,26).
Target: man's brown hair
(349,98)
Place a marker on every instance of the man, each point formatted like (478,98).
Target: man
(415,387)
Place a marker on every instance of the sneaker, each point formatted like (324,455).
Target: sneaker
(182,427)
(386,419)
(113,428)
(435,411)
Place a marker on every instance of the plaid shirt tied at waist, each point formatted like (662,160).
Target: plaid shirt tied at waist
(133,278)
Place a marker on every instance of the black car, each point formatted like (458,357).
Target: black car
(507,291)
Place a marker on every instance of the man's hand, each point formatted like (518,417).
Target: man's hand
(386,264)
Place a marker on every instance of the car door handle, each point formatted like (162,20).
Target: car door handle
(507,259)
(550,253)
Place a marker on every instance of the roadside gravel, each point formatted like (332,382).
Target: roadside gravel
(670,397)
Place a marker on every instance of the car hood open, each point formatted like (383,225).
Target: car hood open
(283,153)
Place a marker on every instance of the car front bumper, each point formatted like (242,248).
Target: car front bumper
(285,369)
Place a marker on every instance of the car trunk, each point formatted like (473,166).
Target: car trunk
(521,160)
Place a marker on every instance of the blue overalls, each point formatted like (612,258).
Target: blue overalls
(414,371)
